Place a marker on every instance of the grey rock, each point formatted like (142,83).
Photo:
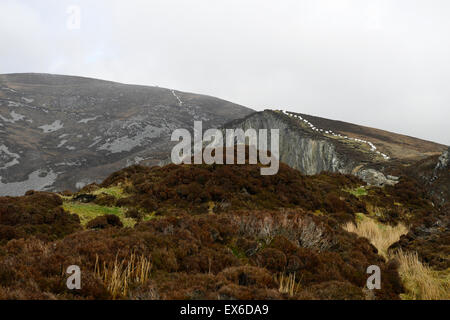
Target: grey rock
(80,130)
(394,178)
(308,152)
(313,152)
(444,160)
(302,149)
(375,178)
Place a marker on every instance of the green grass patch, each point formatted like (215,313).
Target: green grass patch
(88,211)
(358,192)
(359,217)
(115,191)
(150,216)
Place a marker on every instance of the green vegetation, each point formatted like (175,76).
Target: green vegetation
(360,191)
(115,191)
(89,211)
(421,281)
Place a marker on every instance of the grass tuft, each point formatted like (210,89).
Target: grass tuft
(380,235)
(287,284)
(115,191)
(421,282)
(118,276)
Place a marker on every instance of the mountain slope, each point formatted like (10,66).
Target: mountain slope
(398,146)
(313,144)
(209,232)
(62,132)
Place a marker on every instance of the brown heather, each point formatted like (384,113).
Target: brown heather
(209,232)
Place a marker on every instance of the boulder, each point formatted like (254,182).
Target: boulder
(444,160)
(375,178)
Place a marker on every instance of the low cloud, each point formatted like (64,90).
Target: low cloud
(379,63)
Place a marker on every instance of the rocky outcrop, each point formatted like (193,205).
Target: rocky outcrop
(444,160)
(312,151)
(303,149)
(440,181)
(376,178)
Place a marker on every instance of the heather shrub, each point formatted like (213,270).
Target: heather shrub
(105,221)
(299,228)
(336,290)
(216,232)
(195,257)
(135,214)
(249,276)
(271,259)
(191,188)
(105,200)
(36,214)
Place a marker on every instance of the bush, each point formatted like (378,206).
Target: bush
(105,221)
(135,214)
(36,214)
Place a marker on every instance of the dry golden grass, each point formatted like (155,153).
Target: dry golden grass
(287,284)
(420,281)
(119,276)
(381,236)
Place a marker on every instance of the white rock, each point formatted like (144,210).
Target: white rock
(55,126)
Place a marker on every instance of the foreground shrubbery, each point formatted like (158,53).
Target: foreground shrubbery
(239,255)
(420,281)
(171,189)
(204,232)
(37,214)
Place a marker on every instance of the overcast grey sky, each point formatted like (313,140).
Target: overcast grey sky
(380,63)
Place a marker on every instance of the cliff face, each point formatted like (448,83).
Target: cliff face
(434,173)
(307,151)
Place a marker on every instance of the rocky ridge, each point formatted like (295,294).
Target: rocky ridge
(312,148)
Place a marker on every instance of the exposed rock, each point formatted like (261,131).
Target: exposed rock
(434,173)
(444,160)
(301,149)
(375,178)
(331,148)
(394,178)
(84,129)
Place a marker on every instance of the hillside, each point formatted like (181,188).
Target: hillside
(63,132)
(213,232)
(313,145)
(397,146)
